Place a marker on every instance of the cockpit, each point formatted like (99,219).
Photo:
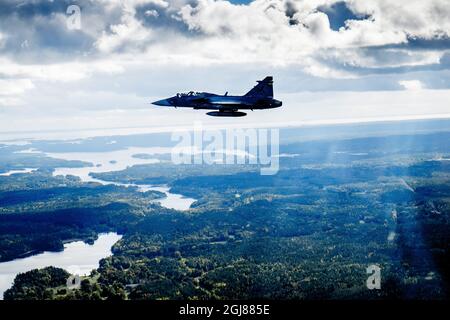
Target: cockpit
(189,94)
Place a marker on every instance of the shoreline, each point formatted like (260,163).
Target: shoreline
(35,252)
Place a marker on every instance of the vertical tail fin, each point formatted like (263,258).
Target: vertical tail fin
(264,88)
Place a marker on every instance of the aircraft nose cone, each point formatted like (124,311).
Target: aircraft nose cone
(163,102)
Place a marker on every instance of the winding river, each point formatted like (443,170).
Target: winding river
(117,161)
(171,200)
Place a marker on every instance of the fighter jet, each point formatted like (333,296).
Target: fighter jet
(260,97)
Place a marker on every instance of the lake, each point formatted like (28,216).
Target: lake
(116,161)
(77,258)
(10,172)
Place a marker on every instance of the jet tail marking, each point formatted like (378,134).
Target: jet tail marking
(264,88)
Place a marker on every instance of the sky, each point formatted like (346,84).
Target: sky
(332,61)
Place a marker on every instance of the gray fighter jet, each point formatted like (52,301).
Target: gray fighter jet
(260,97)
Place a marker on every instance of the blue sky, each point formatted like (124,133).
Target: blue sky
(331,60)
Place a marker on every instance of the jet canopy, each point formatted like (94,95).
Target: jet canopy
(188,94)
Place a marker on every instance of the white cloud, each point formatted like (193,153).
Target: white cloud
(14,86)
(411,84)
(222,32)
(58,72)
(129,32)
(2,39)
(152,13)
(10,101)
(11,91)
(415,18)
(262,32)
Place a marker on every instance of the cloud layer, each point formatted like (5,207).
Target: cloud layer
(128,50)
(314,34)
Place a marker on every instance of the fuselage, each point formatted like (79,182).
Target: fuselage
(210,101)
(258,98)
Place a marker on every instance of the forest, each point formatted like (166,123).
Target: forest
(308,232)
